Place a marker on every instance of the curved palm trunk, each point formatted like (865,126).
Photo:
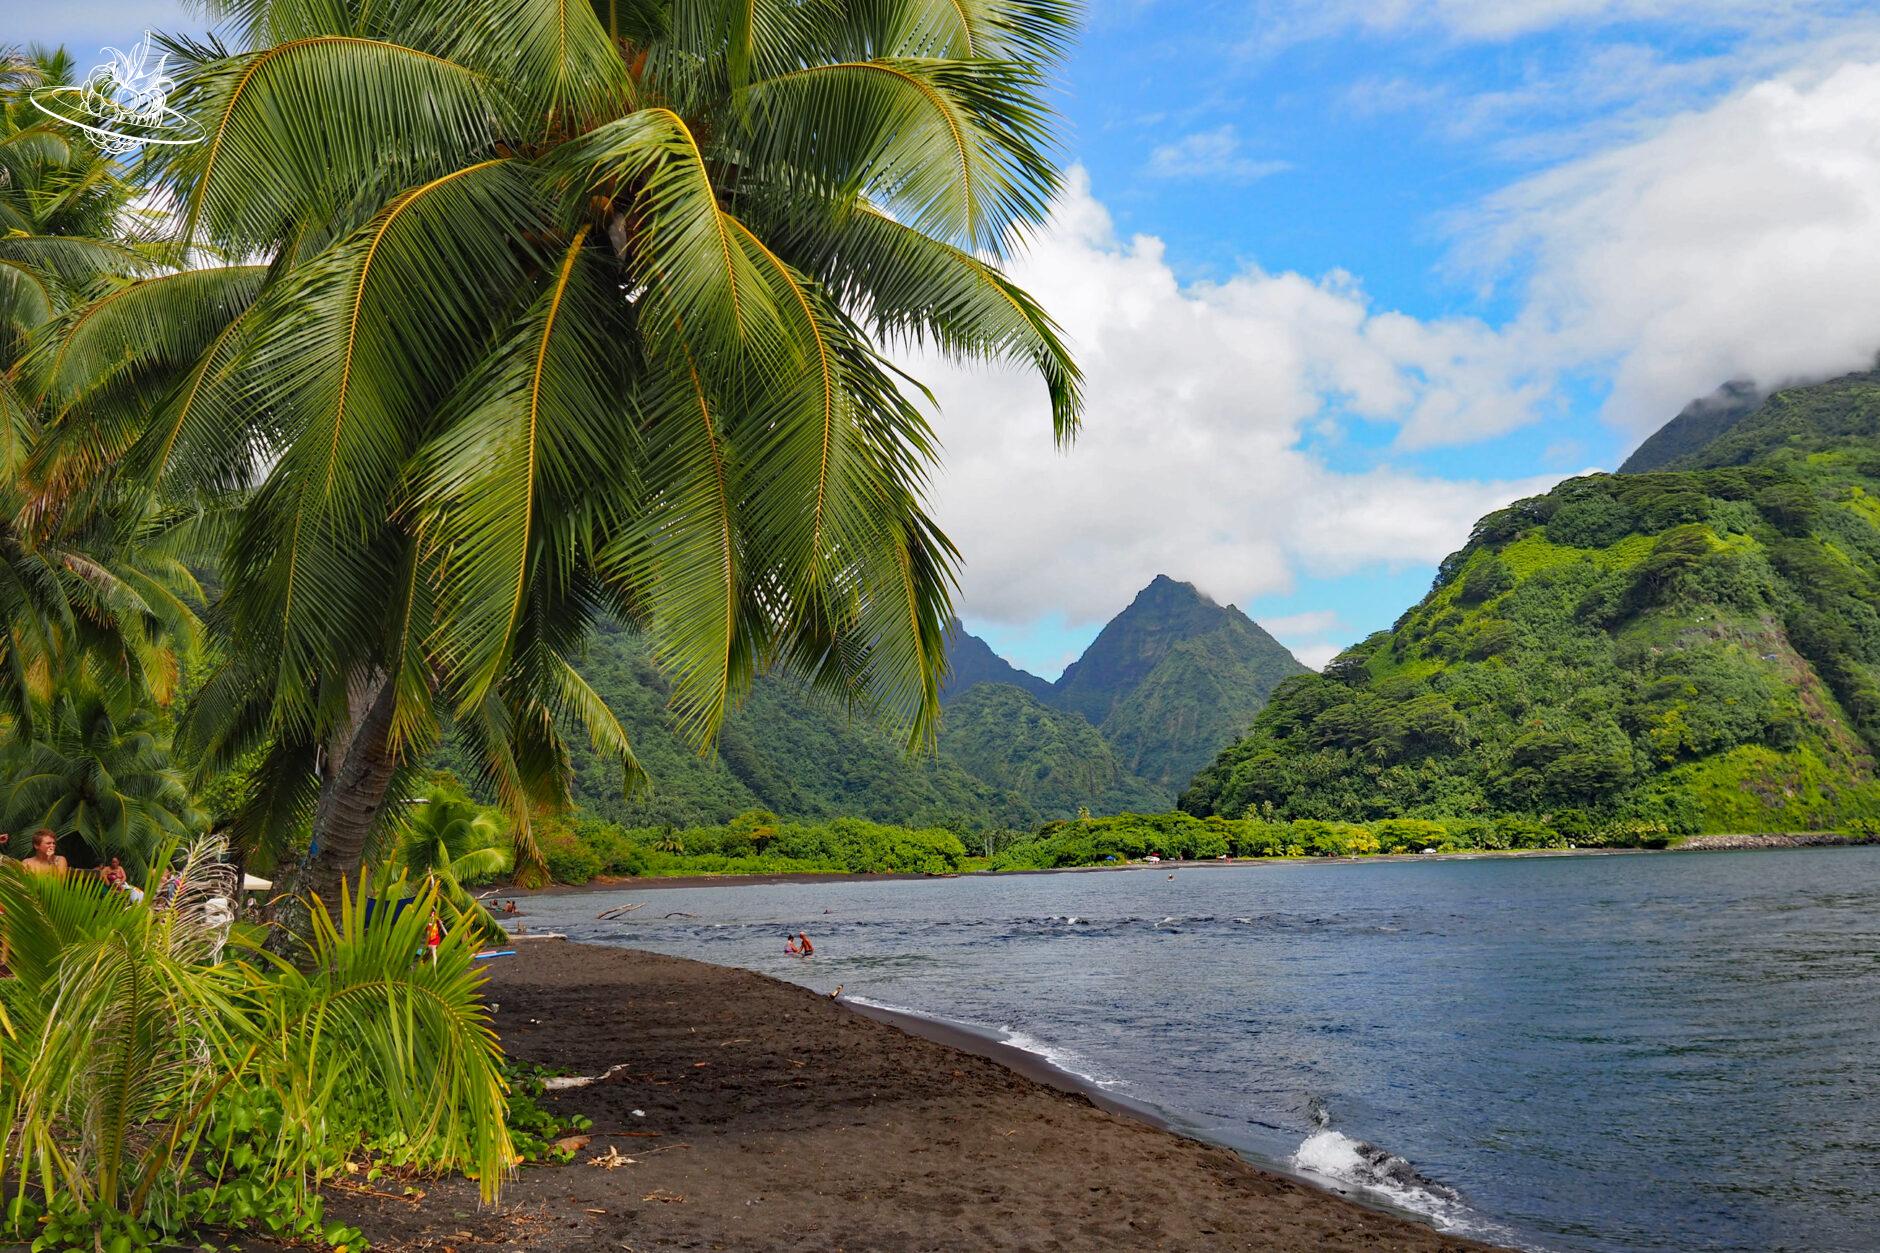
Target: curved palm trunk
(360,765)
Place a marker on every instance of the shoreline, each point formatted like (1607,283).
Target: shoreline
(1041,1069)
(740,1111)
(1686,844)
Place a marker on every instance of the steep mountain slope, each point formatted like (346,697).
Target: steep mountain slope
(1178,675)
(1696,650)
(1041,759)
(1004,759)
(1695,427)
(1172,678)
(971,661)
(780,751)
(1132,644)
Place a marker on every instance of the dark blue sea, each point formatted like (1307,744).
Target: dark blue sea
(1672,1051)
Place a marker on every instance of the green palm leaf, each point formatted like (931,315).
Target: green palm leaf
(953,148)
(304,129)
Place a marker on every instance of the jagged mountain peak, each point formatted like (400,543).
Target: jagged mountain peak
(971,661)
(1162,616)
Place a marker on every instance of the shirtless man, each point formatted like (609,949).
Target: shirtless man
(45,858)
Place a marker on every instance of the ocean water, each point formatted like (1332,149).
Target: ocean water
(1631,1052)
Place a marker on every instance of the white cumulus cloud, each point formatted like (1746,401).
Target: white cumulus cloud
(1740,240)
(1190,463)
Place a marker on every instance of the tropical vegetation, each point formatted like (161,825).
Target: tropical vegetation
(159,1074)
(538,313)
(327,444)
(1009,753)
(1694,649)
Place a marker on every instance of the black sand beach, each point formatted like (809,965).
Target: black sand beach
(772,1118)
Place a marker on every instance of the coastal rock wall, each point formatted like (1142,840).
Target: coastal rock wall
(1805,839)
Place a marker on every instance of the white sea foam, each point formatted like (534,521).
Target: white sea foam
(1062,1059)
(1337,1159)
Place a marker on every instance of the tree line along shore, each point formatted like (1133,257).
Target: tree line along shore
(758,843)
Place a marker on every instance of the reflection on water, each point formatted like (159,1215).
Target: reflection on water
(1656,1052)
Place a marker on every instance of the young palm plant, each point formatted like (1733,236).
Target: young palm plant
(129,1049)
(561,310)
(446,838)
(122,1033)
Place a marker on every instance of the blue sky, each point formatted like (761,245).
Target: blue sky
(1346,274)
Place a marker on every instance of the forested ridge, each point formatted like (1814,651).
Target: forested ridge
(1177,676)
(1689,650)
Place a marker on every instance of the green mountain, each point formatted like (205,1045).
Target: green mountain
(971,661)
(1179,677)
(1172,678)
(1696,426)
(781,750)
(1691,649)
(1038,757)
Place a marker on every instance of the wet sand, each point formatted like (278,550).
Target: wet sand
(774,1118)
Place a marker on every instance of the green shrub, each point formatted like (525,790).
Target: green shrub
(569,857)
(1411,835)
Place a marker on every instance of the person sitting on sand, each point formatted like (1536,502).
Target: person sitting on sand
(113,875)
(45,858)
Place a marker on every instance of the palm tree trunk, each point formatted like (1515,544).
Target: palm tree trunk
(360,765)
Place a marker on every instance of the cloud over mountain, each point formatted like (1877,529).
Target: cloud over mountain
(1191,462)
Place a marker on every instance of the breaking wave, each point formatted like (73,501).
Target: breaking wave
(1333,1157)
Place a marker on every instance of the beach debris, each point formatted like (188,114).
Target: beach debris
(639,1113)
(572,1144)
(665,1197)
(612,1159)
(561,1083)
(679,913)
(608,915)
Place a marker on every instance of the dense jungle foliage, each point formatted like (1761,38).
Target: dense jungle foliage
(757,842)
(1696,649)
(1171,679)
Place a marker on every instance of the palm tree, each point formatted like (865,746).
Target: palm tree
(446,839)
(98,773)
(90,566)
(451,837)
(565,310)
